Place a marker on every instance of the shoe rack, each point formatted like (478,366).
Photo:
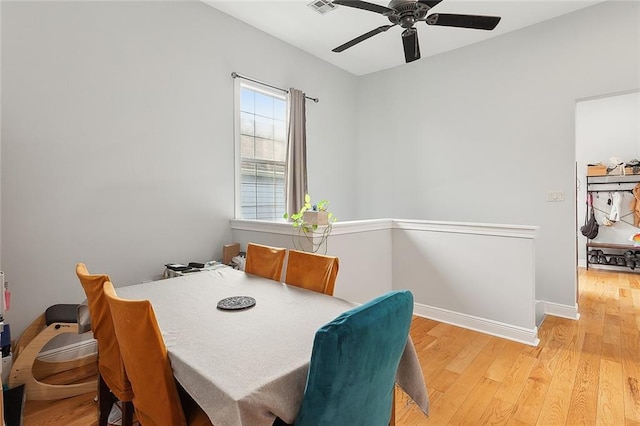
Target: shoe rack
(609,254)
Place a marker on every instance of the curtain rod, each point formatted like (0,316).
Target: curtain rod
(236,75)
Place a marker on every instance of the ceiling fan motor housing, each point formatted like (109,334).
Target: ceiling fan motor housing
(407,12)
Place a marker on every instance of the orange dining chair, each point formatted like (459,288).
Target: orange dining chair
(265,261)
(312,271)
(157,400)
(113,383)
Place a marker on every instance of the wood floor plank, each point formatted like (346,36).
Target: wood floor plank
(443,381)
(474,405)
(501,366)
(555,408)
(438,354)
(585,389)
(516,379)
(610,394)
(631,375)
(468,353)
(445,408)
(527,408)
(529,405)
(77,411)
(498,412)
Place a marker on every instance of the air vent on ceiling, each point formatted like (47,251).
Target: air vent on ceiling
(322,6)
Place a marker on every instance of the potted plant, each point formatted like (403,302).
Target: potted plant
(309,219)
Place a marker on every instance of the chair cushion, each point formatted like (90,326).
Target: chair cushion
(354,362)
(67,313)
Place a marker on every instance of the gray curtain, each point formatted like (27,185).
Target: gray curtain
(296,181)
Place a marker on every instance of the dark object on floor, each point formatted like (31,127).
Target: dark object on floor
(13,400)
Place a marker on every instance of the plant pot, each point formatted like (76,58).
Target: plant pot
(316,217)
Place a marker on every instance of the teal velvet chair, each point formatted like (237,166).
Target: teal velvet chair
(353,364)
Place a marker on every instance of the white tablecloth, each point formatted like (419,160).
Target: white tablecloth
(246,367)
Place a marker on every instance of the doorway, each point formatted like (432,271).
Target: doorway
(607,130)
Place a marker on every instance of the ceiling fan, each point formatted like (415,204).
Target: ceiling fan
(407,13)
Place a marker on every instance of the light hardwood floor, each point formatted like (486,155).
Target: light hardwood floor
(584,372)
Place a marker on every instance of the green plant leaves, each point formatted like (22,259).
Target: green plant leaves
(297,219)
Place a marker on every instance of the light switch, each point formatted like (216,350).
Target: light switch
(555,196)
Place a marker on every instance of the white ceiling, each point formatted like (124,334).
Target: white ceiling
(297,24)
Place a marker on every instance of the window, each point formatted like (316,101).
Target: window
(261,147)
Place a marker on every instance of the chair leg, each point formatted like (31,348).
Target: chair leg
(105,401)
(127,413)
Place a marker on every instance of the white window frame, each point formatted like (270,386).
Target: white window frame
(238,84)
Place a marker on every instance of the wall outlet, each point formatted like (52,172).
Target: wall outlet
(555,196)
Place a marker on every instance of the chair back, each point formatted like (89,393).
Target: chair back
(353,364)
(312,271)
(109,359)
(265,261)
(156,400)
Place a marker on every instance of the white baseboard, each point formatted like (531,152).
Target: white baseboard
(69,352)
(563,311)
(494,328)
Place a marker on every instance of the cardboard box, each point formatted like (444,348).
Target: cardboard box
(229,251)
(596,170)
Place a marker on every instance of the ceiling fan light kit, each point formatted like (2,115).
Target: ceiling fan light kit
(406,13)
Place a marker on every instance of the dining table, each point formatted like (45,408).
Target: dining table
(247,366)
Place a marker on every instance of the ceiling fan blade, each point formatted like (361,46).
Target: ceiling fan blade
(410,44)
(363,37)
(364,6)
(430,3)
(463,21)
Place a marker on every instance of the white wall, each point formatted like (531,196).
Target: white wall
(117,138)
(481,133)
(606,127)
(476,276)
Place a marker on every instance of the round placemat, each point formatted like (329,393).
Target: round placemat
(235,303)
